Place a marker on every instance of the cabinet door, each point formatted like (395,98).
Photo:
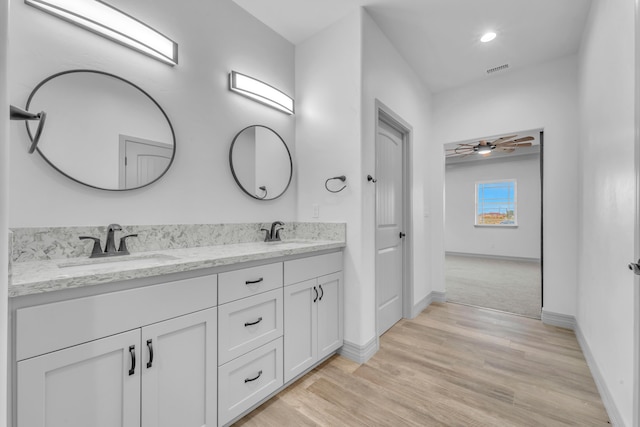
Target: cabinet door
(85,385)
(330,314)
(179,382)
(300,338)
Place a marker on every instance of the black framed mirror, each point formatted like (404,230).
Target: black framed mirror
(261,162)
(102,131)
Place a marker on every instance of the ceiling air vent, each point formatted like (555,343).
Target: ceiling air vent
(498,68)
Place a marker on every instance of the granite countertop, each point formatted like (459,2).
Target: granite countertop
(45,276)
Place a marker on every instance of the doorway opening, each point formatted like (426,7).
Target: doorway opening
(493,222)
(393,222)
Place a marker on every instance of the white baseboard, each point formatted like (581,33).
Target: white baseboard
(612,410)
(438,296)
(434,296)
(557,319)
(359,353)
(500,257)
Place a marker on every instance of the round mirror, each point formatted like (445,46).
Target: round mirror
(102,130)
(261,162)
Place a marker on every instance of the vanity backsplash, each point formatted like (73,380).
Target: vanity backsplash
(50,243)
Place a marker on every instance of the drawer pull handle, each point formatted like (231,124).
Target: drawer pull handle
(150,345)
(132,352)
(253,323)
(253,282)
(316,291)
(248,380)
(321,290)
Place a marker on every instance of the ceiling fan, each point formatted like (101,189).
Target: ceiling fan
(505,144)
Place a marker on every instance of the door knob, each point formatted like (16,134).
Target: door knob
(635,267)
(402,234)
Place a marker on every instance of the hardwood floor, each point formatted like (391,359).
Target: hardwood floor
(453,365)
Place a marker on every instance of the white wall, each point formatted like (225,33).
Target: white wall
(607,197)
(541,97)
(4,208)
(388,78)
(214,37)
(328,89)
(461,234)
(340,72)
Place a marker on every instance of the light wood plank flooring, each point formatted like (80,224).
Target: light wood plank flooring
(453,365)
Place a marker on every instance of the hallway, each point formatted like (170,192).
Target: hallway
(451,365)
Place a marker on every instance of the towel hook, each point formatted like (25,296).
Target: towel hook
(16,113)
(341,178)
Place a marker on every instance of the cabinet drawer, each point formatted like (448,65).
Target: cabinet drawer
(247,380)
(249,281)
(249,323)
(299,270)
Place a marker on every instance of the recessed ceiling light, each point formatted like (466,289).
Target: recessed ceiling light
(487,37)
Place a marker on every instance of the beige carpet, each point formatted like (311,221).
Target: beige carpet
(511,286)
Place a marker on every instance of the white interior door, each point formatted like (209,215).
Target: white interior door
(142,161)
(389,226)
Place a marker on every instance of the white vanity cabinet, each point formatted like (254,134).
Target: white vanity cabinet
(155,373)
(313,314)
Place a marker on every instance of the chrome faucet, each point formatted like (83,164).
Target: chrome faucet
(273,235)
(110,244)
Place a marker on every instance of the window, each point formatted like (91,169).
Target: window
(496,203)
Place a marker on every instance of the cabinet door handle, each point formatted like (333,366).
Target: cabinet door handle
(253,282)
(132,352)
(248,380)
(321,290)
(253,323)
(316,291)
(150,346)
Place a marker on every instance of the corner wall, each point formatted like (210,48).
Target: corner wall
(4,208)
(605,297)
(214,38)
(541,97)
(340,72)
(387,77)
(328,88)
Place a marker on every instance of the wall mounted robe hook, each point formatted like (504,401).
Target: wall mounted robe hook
(16,113)
(371,179)
(340,178)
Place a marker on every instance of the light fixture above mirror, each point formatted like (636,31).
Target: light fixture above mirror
(260,91)
(109,22)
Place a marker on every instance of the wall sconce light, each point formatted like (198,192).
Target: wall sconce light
(260,91)
(109,22)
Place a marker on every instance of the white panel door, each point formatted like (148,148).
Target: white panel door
(300,331)
(389,223)
(95,384)
(330,329)
(144,161)
(179,381)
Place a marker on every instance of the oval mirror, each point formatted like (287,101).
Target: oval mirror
(102,130)
(261,162)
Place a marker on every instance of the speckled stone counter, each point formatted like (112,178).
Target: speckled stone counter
(46,276)
(51,259)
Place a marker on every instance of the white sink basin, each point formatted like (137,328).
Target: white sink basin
(115,260)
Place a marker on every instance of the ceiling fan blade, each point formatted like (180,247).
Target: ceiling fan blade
(516,144)
(523,139)
(506,150)
(504,138)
